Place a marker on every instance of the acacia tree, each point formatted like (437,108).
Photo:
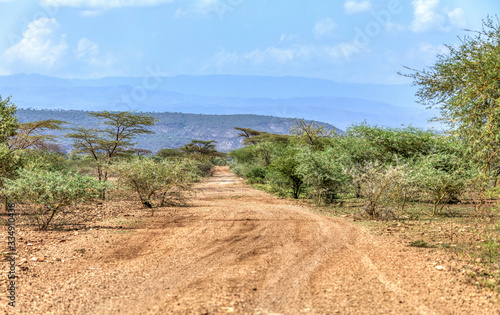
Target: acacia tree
(107,143)
(32,134)
(465,84)
(250,136)
(310,133)
(201,149)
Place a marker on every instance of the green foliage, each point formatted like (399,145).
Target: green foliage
(157,183)
(324,172)
(256,175)
(105,144)
(310,133)
(285,164)
(441,178)
(168,153)
(36,159)
(388,167)
(465,84)
(47,193)
(219,161)
(389,145)
(8,120)
(200,149)
(9,163)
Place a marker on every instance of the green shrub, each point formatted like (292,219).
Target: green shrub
(256,175)
(440,178)
(204,168)
(324,173)
(157,183)
(46,193)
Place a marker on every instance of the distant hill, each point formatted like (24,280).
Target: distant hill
(339,104)
(175,129)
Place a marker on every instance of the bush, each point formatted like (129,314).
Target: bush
(47,193)
(323,172)
(440,179)
(37,159)
(383,187)
(157,183)
(256,175)
(219,161)
(204,168)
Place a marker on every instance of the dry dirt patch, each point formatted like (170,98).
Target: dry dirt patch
(234,250)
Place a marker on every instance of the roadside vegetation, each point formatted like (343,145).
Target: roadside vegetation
(57,190)
(436,189)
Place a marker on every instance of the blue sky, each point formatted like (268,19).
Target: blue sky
(362,41)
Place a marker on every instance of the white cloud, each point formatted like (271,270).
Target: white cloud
(286,58)
(457,17)
(426,15)
(92,13)
(324,27)
(88,52)
(352,6)
(86,49)
(429,16)
(103,3)
(41,45)
(206,7)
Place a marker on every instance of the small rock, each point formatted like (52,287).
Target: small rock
(439,268)
(40,259)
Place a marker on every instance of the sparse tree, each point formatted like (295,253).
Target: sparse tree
(116,140)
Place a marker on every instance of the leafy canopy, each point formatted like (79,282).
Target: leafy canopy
(465,84)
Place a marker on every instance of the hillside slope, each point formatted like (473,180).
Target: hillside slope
(175,129)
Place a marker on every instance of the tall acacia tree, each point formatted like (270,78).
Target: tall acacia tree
(201,149)
(115,140)
(465,85)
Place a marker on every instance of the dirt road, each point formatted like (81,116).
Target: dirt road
(238,250)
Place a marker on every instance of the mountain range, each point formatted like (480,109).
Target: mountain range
(338,104)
